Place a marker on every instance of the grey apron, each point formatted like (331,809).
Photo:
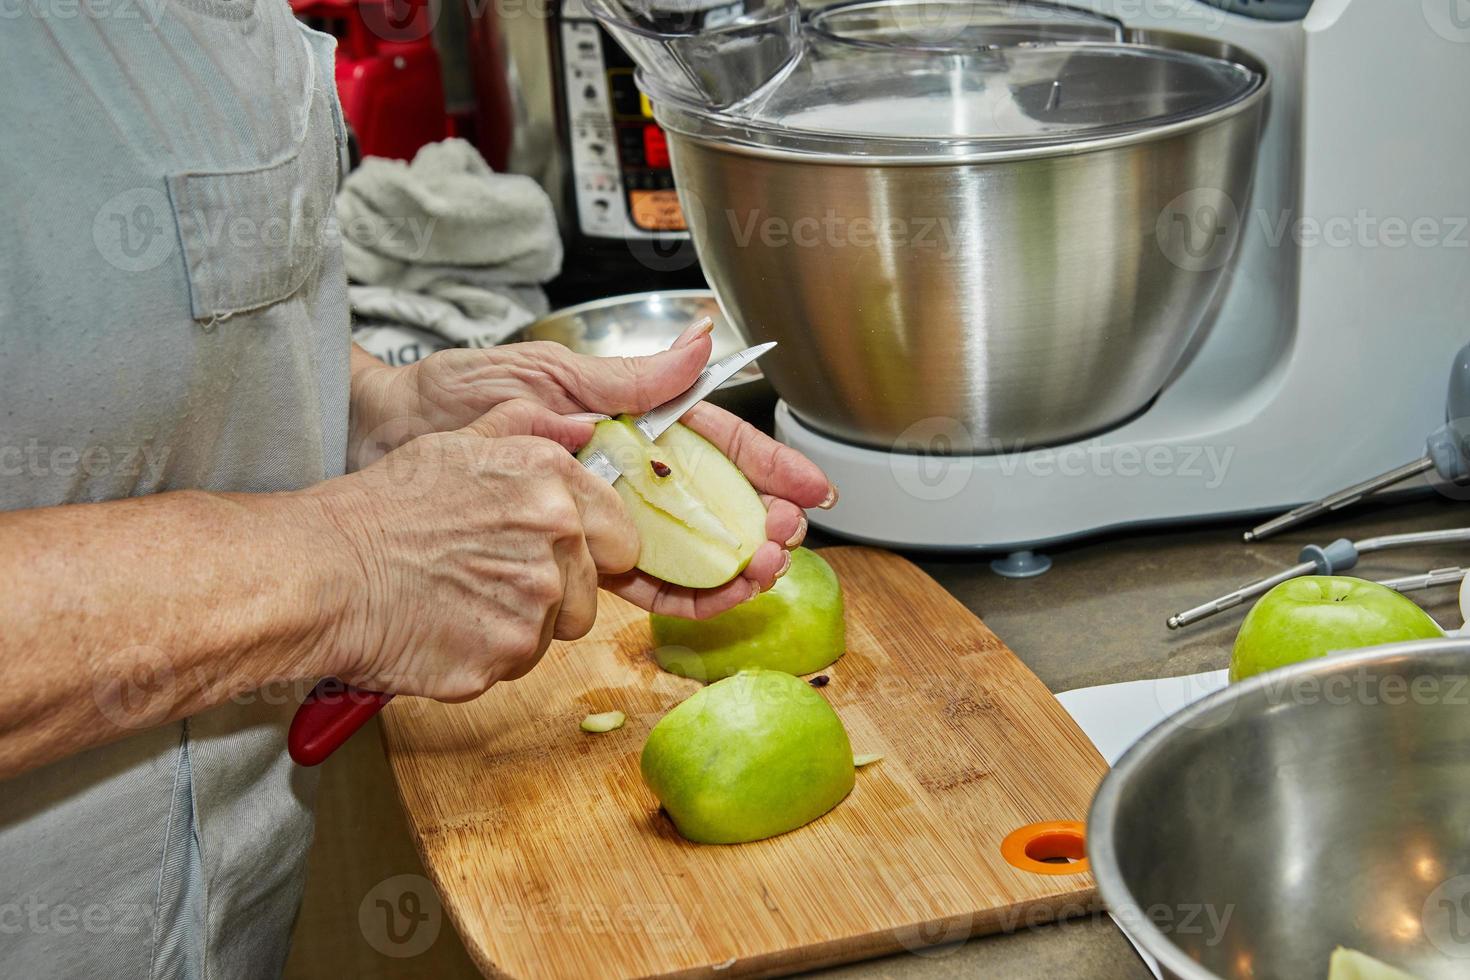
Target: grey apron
(173,315)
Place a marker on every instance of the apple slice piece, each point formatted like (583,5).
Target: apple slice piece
(1349,964)
(698,518)
(605,721)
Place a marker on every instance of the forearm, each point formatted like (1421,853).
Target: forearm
(129,614)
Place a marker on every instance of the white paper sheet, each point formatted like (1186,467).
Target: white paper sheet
(1114,716)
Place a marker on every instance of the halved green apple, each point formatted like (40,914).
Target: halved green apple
(698,517)
(748,757)
(797,627)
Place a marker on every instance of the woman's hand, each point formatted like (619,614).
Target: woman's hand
(476,548)
(453,387)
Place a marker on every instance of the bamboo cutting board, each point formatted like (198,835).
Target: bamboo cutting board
(553,860)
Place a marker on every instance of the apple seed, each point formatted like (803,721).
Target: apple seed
(821,680)
(660,468)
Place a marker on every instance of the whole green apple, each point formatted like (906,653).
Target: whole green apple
(797,627)
(1306,617)
(748,757)
(699,520)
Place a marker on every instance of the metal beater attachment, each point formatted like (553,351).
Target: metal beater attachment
(1339,556)
(1447,450)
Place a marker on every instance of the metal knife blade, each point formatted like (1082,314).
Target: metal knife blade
(656,421)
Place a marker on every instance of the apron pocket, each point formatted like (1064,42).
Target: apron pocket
(253,237)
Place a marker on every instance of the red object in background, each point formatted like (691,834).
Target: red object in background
(387,71)
(494,110)
(655,147)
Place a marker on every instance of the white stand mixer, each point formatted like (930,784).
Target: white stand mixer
(1324,361)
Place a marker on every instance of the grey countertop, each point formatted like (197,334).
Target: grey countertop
(1098,617)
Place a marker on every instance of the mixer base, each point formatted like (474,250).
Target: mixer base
(1160,469)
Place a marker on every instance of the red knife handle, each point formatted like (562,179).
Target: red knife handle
(328,717)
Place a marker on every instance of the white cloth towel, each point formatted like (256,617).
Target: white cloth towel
(446,245)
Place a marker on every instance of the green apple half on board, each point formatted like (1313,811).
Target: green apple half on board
(698,517)
(748,757)
(797,626)
(1307,617)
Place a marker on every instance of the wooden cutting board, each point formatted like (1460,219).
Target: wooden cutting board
(553,860)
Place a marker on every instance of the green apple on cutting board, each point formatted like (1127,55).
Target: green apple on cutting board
(1307,617)
(748,757)
(798,626)
(698,517)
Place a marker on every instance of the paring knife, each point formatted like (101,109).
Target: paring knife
(333,711)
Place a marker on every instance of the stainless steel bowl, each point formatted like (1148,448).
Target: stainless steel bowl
(646,323)
(1021,296)
(1320,805)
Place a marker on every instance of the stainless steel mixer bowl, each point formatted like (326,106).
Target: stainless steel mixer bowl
(1320,805)
(977,304)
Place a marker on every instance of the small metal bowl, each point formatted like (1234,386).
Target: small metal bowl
(646,323)
(1320,805)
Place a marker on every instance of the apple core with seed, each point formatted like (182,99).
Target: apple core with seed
(698,518)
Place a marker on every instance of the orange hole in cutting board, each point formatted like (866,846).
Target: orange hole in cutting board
(1052,847)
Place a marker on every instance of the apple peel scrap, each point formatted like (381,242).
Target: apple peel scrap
(866,759)
(605,721)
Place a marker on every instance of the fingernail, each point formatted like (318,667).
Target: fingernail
(831,500)
(785,565)
(797,537)
(587,417)
(694,331)
(755,590)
